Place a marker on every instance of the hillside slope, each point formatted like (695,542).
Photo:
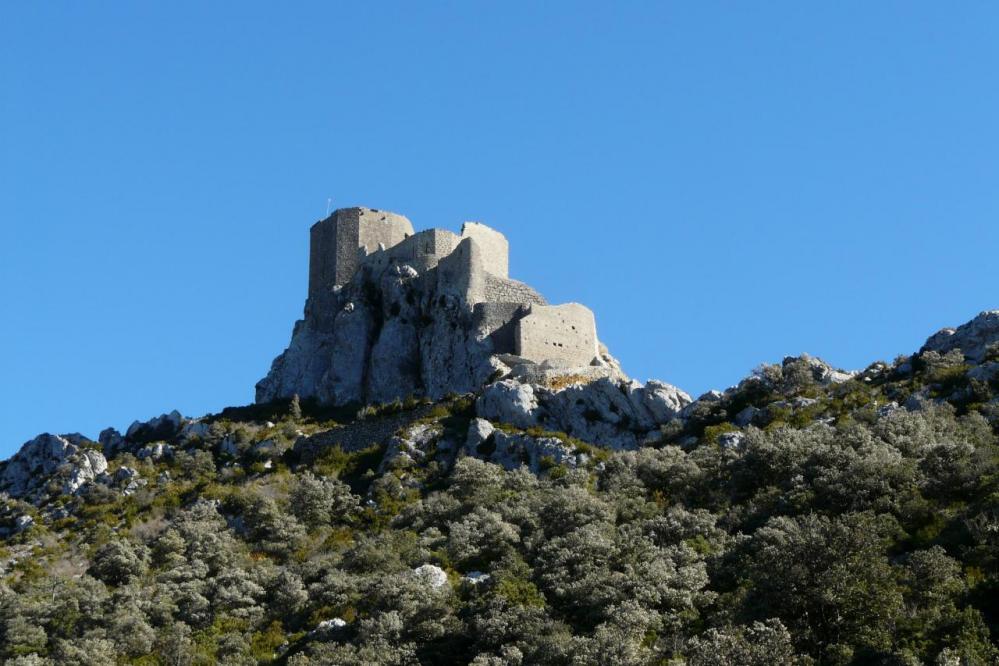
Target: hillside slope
(805,516)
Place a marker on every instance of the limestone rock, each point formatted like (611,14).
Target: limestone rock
(84,468)
(476,577)
(228,446)
(479,430)
(746,416)
(125,474)
(821,371)
(266,449)
(111,442)
(330,626)
(664,401)
(411,445)
(604,412)
(972,338)
(162,427)
(536,453)
(301,368)
(195,430)
(155,451)
(985,372)
(72,460)
(128,479)
(431,575)
(731,440)
(508,401)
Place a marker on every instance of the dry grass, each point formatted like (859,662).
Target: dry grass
(563,381)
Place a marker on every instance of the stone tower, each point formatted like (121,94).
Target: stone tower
(342,240)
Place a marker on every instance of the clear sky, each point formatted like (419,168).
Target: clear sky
(722,183)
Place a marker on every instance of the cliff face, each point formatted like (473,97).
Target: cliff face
(390,332)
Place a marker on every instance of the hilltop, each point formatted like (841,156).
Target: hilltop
(443,468)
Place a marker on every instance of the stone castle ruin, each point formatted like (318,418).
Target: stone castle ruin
(392,312)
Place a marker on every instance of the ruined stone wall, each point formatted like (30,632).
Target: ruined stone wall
(495,248)
(562,333)
(499,290)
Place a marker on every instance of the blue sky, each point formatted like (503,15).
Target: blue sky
(722,183)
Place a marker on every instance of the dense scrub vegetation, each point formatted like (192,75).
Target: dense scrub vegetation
(845,523)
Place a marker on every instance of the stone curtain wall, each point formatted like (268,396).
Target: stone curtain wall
(564,333)
(425,249)
(380,228)
(499,290)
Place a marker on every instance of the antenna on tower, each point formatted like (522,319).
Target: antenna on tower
(329,202)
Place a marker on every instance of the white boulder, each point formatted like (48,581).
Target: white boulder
(431,575)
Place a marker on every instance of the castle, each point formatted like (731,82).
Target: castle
(431,311)
(473,266)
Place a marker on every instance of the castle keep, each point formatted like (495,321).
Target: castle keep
(392,312)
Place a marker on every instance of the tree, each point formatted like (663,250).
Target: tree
(118,561)
(758,644)
(318,501)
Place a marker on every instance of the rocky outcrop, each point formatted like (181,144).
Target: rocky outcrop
(70,462)
(973,338)
(411,445)
(513,450)
(162,427)
(664,401)
(509,401)
(612,413)
(388,333)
